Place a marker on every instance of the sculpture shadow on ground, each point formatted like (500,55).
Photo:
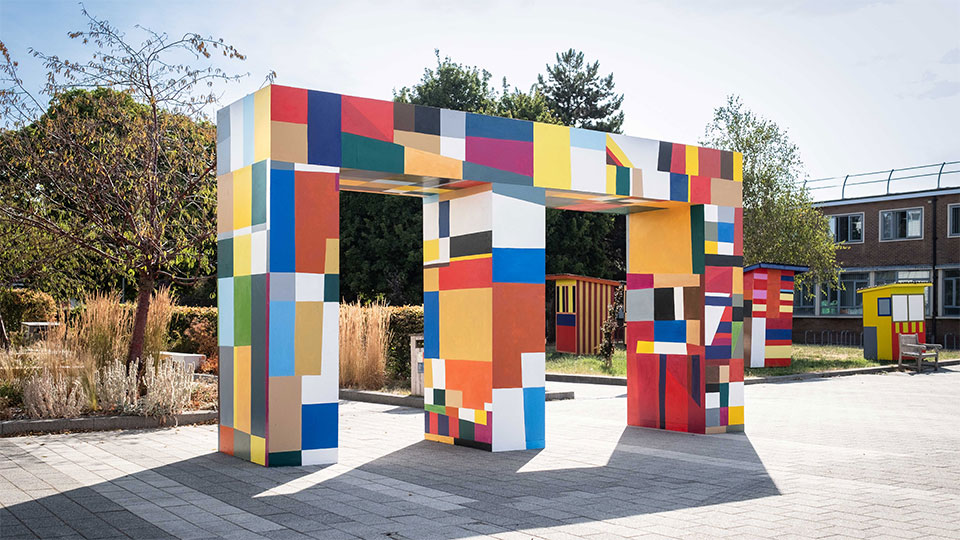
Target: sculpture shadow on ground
(421,490)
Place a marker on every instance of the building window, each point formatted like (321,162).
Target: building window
(803,299)
(951,292)
(847,228)
(901,224)
(844,300)
(908,276)
(953,217)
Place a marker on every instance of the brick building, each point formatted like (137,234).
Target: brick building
(909,231)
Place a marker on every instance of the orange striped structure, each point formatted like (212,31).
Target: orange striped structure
(582,304)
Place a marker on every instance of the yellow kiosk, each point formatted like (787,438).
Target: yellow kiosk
(888,312)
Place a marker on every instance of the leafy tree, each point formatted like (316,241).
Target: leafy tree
(125,171)
(452,86)
(579,96)
(780,224)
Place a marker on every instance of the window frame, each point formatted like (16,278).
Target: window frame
(907,209)
(826,290)
(950,221)
(943,292)
(863,222)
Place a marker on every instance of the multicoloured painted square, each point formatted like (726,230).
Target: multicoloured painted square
(768,314)
(581,308)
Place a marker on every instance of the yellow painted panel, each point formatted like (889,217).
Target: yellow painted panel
(241,255)
(710,247)
(612,179)
(431,250)
(261,124)
(551,156)
(241,388)
(735,416)
(242,195)
(438,438)
(693,160)
(778,351)
(786,309)
(480,417)
(471,257)
(420,163)
(431,279)
(428,373)
(466,324)
(331,263)
(738,280)
(676,280)
(738,166)
(644,347)
(308,338)
(258,450)
(659,242)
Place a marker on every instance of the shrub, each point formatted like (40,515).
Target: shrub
(169,384)
(117,387)
(364,337)
(25,305)
(182,319)
(53,394)
(201,338)
(404,322)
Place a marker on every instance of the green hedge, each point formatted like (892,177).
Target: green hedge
(404,321)
(25,305)
(183,317)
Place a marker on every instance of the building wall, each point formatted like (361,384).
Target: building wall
(873,256)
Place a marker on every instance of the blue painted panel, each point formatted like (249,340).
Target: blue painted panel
(283,317)
(718,352)
(225,311)
(587,138)
(534,405)
(494,127)
(725,232)
(323,128)
(282,221)
(431,324)
(247,130)
(679,187)
(519,265)
(779,333)
(566,319)
(670,331)
(318,426)
(444,219)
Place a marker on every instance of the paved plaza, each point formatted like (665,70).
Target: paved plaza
(864,456)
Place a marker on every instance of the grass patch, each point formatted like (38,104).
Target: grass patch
(806,359)
(586,364)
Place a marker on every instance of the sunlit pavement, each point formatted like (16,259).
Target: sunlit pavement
(863,456)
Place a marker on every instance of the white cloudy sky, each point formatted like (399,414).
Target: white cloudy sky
(861,85)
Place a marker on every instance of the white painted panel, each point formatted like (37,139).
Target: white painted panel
(471,214)
(508,430)
(453,147)
(439,373)
(431,221)
(588,170)
(900,308)
(330,349)
(258,253)
(758,342)
(518,223)
(319,389)
(309,288)
(533,368)
(322,456)
(916,307)
(735,396)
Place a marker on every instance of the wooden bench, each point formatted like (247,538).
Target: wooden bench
(911,348)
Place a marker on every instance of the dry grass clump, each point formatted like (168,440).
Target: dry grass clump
(53,394)
(364,343)
(102,329)
(155,337)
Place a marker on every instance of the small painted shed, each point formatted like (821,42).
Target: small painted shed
(581,305)
(768,314)
(890,311)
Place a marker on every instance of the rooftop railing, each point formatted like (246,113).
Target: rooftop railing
(888,182)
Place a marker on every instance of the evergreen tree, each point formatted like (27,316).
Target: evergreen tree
(579,96)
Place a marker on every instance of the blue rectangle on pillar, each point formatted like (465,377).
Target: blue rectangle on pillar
(318,426)
(534,406)
(323,128)
(519,265)
(283,317)
(282,221)
(431,324)
(670,331)
(566,319)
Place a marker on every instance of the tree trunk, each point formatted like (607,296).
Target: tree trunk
(145,283)
(4,338)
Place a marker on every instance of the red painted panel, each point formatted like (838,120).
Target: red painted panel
(367,117)
(567,339)
(288,104)
(468,274)
(317,218)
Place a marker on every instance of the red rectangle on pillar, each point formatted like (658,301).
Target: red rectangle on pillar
(678,162)
(288,104)
(317,218)
(643,376)
(468,274)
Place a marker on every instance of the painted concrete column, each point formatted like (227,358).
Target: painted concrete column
(483,317)
(278,285)
(684,313)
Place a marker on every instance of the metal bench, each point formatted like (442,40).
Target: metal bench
(911,348)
